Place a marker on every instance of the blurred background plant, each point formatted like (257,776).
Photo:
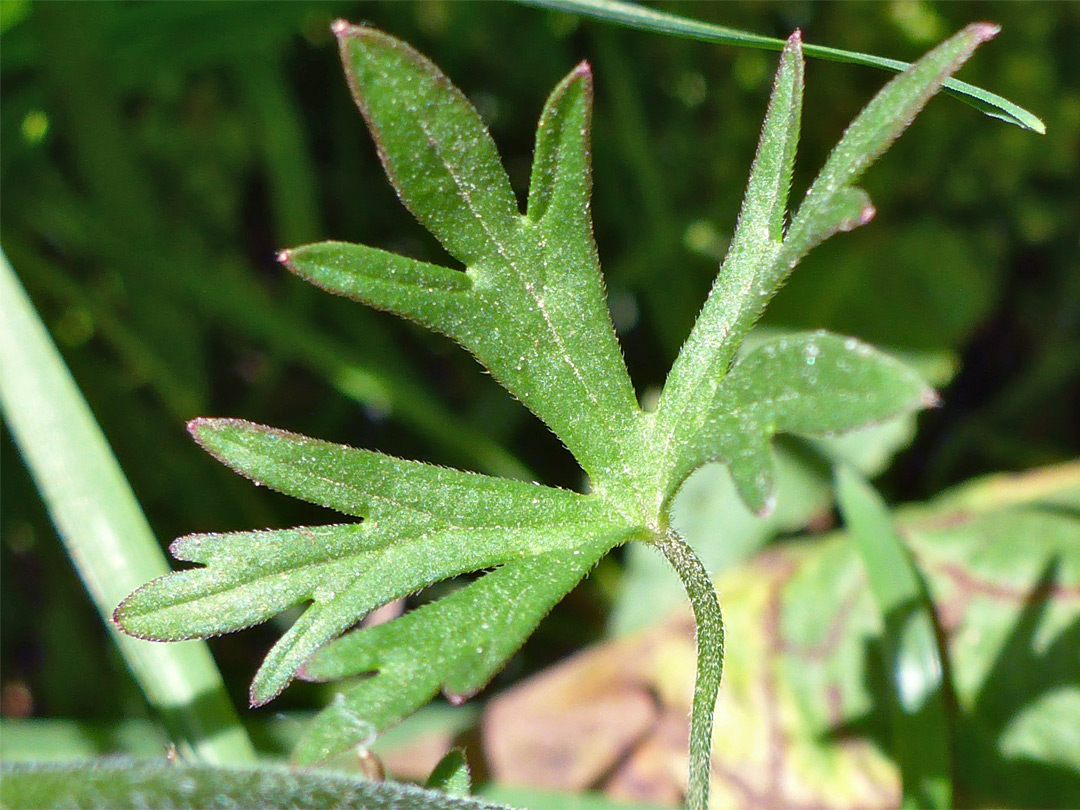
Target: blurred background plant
(155,157)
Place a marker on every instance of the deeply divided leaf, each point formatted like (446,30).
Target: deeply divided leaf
(760,257)
(830,205)
(808,385)
(434,146)
(424,524)
(735,301)
(408,661)
(530,306)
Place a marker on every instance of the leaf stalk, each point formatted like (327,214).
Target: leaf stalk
(710,660)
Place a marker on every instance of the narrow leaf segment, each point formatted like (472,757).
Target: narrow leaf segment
(424,524)
(760,259)
(558,353)
(530,307)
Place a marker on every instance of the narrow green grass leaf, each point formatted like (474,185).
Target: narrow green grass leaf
(643,18)
(921,733)
(409,660)
(105,784)
(52,739)
(101,525)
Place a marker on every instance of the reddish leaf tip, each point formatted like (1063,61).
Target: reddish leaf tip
(929,398)
(257,699)
(582,68)
(283,256)
(867,214)
(340,27)
(984,31)
(795,39)
(199,426)
(454,698)
(195,426)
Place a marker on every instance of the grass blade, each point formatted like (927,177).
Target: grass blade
(920,729)
(102,526)
(631,15)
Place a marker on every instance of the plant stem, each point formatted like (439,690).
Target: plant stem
(710,661)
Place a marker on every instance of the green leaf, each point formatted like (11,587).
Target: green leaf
(809,385)
(451,775)
(921,733)
(832,203)
(363,483)
(409,660)
(424,524)
(531,304)
(633,15)
(735,303)
(761,257)
(103,784)
(50,739)
(435,148)
(530,307)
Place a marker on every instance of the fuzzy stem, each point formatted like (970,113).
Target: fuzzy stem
(710,661)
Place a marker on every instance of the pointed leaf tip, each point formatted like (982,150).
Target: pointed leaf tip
(282,256)
(257,698)
(795,40)
(983,32)
(930,398)
(339,27)
(195,426)
(201,425)
(455,699)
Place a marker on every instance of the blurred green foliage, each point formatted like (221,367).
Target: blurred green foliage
(156,155)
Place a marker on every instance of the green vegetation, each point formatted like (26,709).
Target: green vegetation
(171,314)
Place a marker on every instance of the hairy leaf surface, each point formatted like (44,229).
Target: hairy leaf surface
(530,306)
(424,524)
(761,256)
